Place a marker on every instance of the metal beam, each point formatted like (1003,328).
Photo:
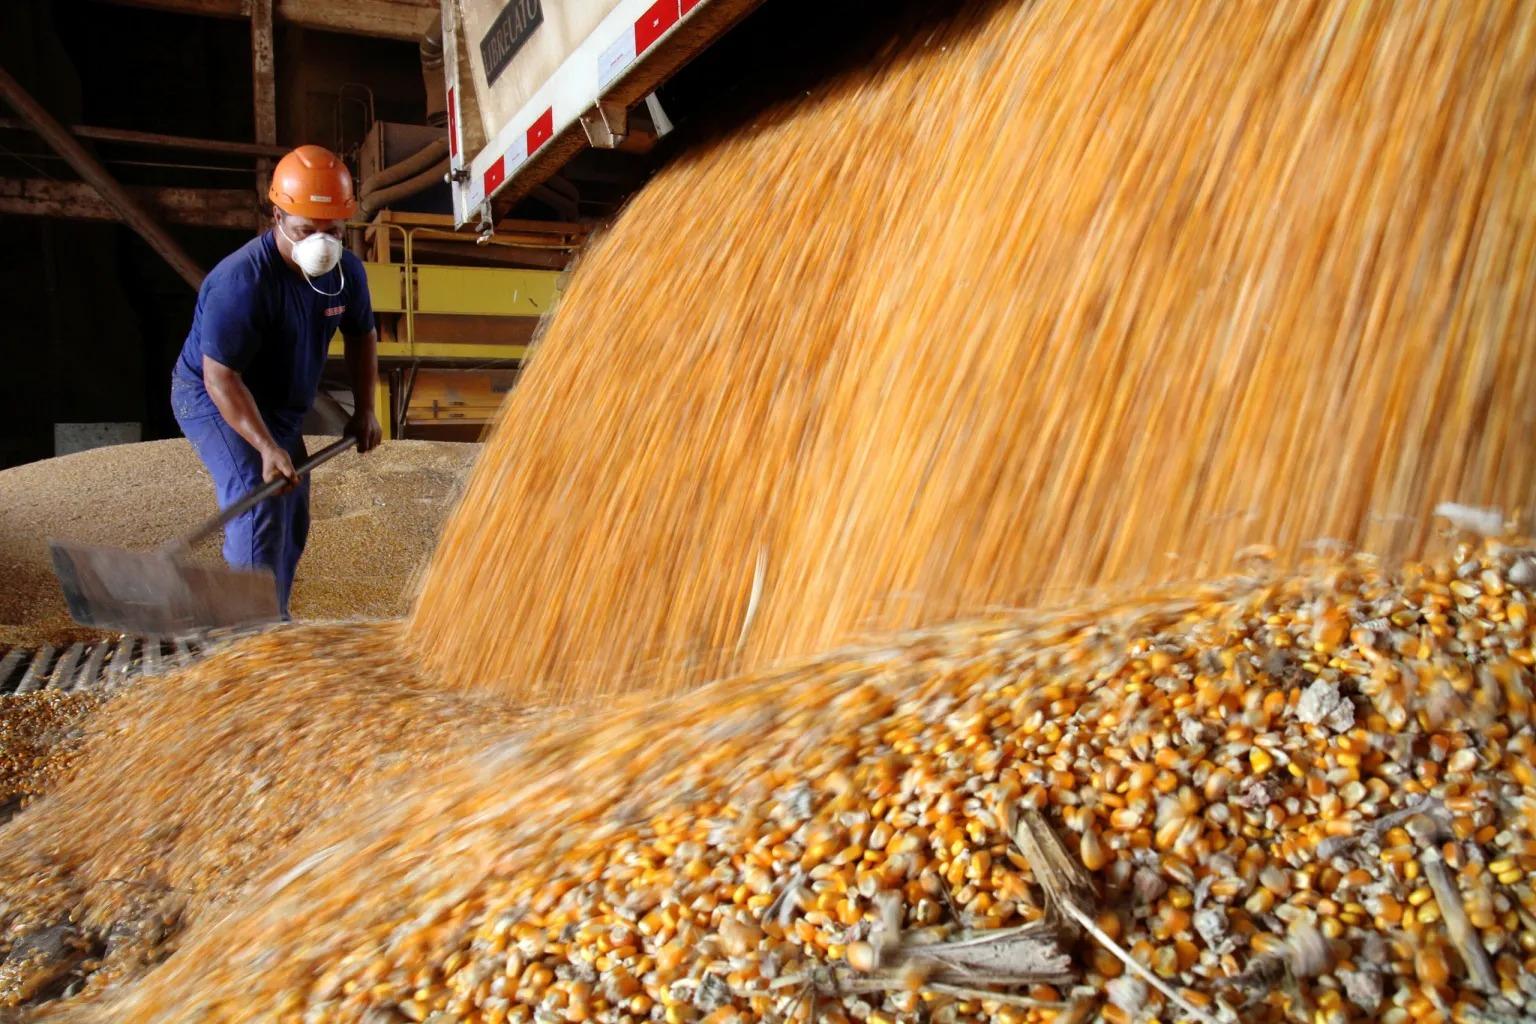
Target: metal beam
(384,19)
(89,168)
(75,200)
(85,131)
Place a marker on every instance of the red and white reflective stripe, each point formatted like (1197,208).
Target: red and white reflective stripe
(619,55)
(631,28)
(657,20)
(496,174)
(540,131)
(456,155)
(653,24)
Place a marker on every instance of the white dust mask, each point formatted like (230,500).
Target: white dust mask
(317,255)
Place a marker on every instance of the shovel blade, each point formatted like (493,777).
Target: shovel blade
(151,593)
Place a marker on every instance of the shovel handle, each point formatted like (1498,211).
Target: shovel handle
(261,494)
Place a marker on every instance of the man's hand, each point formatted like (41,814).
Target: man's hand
(277,464)
(364,426)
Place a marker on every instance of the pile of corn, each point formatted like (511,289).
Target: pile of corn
(1054,294)
(38,733)
(1303,798)
(185,786)
(373,523)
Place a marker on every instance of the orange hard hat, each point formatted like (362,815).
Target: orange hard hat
(312,182)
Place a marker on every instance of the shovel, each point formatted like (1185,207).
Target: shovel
(159,593)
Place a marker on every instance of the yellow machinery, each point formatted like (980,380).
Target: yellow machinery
(452,337)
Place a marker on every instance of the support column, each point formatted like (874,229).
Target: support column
(264,89)
(384,406)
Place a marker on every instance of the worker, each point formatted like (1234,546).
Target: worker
(250,368)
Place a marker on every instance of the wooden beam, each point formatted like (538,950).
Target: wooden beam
(207,8)
(263,79)
(388,19)
(89,168)
(85,131)
(263,86)
(75,200)
(385,19)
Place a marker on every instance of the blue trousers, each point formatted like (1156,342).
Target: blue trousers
(271,535)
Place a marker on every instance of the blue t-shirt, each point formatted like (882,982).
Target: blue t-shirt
(260,317)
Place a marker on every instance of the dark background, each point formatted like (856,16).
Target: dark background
(94,319)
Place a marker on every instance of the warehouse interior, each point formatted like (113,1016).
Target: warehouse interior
(786,511)
(97,317)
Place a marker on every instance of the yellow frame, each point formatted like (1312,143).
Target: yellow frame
(408,288)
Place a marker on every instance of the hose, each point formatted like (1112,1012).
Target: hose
(432,73)
(426,157)
(432,46)
(376,200)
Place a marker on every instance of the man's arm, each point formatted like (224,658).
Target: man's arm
(236,404)
(362,352)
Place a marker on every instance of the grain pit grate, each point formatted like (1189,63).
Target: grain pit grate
(101,666)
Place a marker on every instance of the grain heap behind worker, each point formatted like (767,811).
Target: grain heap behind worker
(251,365)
